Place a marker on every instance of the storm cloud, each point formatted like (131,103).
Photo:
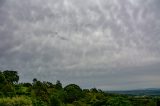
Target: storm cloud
(108,44)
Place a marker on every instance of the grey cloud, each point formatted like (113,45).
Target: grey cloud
(82,42)
(2,2)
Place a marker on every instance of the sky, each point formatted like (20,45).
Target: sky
(107,44)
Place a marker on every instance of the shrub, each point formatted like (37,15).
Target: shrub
(16,101)
(38,102)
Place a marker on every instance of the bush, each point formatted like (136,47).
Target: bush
(8,90)
(38,102)
(16,101)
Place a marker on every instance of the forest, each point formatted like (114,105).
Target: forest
(44,93)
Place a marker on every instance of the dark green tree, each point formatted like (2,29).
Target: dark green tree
(94,90)
(11,76)
(58,85)
(73,93)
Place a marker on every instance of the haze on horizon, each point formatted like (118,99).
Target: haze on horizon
(107,44)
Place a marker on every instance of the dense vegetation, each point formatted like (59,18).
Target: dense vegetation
(45,93)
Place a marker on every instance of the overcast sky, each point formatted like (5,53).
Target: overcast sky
(107,44)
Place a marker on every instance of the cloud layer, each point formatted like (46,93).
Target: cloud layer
(109,44)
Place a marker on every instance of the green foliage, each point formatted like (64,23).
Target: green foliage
(79,103)
(11,76)
(16,101)
(94,90)
(118,101)
(39,90)
(59,94)
(8,90)
(38,102)
(27,84)
(2,81)
(58,85)
(54,101)
(22,90)
(73,93)
(48,84)
(2,78)
(47,94)
(143,101)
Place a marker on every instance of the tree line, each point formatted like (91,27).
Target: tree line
(44,93)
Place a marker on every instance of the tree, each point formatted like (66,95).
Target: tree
(58,85)
(40,91)
(11,76)
(34,80)
(94,90)
(74,93)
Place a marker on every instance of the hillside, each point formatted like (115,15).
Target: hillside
(140,92)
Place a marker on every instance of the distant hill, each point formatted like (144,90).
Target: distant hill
(140,92)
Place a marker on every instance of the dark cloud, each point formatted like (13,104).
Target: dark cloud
(1,2)
(96,43)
